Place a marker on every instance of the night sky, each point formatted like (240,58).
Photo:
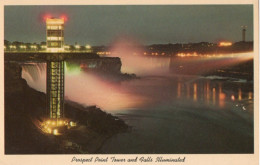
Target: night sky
(101,25)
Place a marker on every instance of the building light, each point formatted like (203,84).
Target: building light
(54,21)
(43,46)
(55,39)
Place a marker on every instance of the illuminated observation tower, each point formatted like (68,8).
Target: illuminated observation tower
(55,68)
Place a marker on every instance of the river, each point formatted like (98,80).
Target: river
(168,112)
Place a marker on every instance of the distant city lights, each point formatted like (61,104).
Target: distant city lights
(194,54)
(224,44)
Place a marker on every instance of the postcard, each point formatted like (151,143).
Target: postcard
(133,82)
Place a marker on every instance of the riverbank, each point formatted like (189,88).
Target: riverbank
(23,105)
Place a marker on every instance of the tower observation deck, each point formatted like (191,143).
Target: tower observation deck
(55,68)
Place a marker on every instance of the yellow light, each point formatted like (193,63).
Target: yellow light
(55,132)
(66,46)
(12,46)
(72,124)
(48,122)
(43,46)
(53,123)
(60,122)
(54,38)
(88,46)
(54,21)
(77,46)
(222,44)
(49,130)
(55,49)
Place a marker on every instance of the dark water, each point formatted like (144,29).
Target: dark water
(187,115)
(168,113)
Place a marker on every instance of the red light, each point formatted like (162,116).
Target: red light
(64,17)
(46,16)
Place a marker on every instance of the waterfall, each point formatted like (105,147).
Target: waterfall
(35,75)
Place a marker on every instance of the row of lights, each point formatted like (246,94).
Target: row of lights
(77,46)
(44,47)
(24,46)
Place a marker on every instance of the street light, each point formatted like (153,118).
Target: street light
(88,47)
(23,47)
(33,47)
(67,47)
(12,47)
(43,46)
(77,47)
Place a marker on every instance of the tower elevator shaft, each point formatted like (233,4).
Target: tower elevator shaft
(55,87)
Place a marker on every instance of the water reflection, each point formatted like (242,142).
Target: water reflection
(211,93)
(195,91)
(214,96)
(179,90)
(221,96)
(250,95)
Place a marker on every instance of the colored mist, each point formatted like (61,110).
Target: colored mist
(133,60)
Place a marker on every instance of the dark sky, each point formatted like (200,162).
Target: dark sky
(101,25)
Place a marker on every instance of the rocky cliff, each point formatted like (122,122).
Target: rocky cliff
(24,104)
